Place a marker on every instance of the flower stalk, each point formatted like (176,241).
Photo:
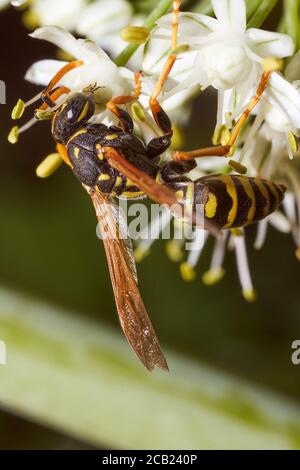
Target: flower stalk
(162,8)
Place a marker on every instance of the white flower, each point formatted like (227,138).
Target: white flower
(103,20)
(97,68)
(280,104)
(98,20)
(223,53)
(57,12)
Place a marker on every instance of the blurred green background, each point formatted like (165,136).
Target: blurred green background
(48,249)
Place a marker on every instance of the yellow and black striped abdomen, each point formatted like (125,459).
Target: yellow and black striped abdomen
(232,201)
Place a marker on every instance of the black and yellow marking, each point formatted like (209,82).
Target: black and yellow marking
(232,201)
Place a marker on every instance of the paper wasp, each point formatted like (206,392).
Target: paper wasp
(111,161)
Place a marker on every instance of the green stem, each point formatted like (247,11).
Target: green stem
(204,7)
(291,19)
(262,12)
(160,10)
(252,6)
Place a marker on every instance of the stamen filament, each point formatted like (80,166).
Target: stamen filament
(243,269)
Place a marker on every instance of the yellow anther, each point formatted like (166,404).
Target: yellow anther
(180,49)
(174,251)
(237,232)
(177,138)
(224,135)
(216,138)
(250,295)
(216,135)
(297,253)
(18,109)
(213,276)
(140,253)
(31,19)
(270,64)
(43,115)
(135,34)
(187,272)
(13,136)
(238,167)
(49,165)
(138,113)
(293,142)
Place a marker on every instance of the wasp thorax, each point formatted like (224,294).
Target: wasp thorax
(72,115)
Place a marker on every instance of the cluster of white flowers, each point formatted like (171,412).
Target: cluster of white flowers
(98,20)
(218,52)
(223,54)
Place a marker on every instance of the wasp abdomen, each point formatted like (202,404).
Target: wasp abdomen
(236,201)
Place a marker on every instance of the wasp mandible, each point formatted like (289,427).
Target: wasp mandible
(112,162)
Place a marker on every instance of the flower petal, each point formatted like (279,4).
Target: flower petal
(190,24)
(58,12)
(155,54)
(284,95)
(231,14)
(280,222)
(269,44)
(59,37)
(83,49)
(100,18)
(41,72)
(292,70)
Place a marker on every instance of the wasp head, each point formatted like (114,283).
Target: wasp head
(72,115)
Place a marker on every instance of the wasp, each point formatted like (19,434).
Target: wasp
(112,162)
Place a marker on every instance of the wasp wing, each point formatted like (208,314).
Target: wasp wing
(159,193)
(132,313)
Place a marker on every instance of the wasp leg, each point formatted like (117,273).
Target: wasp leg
(222,150)
(125,119)
(62,150)
(159,114)
(50,100)
(217,151)
(157,146)
(46,96)
(174,171)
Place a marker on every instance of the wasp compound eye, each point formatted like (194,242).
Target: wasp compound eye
(72,116)
(79,108)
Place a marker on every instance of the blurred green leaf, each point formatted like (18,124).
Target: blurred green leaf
(291,20)
(77,376)
(262,13)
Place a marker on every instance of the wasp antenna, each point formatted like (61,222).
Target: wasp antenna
(50,100)
(58,76)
